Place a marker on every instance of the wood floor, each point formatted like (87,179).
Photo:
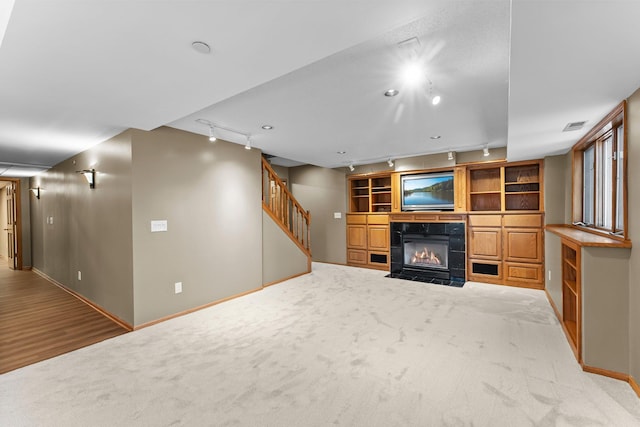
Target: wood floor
(38,320)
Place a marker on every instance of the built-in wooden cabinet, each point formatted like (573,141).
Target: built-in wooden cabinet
(371,194)
(508,187)
(368,240)
(503,203)
(506,249)
(571,296)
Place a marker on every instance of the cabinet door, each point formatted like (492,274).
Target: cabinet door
(356,256)
(379,237)
(357,236)
(485,243)
(523,245)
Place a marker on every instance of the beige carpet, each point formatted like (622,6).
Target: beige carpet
(341,346)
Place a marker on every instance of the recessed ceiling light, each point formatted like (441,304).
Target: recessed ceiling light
(267,127)
(341,152)
(436,137)
(201,47)
(391,92)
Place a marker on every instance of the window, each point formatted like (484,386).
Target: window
(600,176)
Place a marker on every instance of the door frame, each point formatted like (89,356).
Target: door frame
(18,201)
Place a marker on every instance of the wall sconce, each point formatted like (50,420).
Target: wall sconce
(390,163)
(351,167)
(485,151)
(36,192)
(90,175)
(451,155)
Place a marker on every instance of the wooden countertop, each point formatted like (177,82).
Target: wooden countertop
(585,238)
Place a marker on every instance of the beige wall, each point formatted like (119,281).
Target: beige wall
(25,221)
(557,189)
(605,284)
(75,228)
(281,258)
(210,195)
(323,192)
(633,162)
(4,253)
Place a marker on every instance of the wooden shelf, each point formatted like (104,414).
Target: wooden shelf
(571,284)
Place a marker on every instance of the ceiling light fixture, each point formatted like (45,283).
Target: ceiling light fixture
(391,92)
(390,163)
(450,155)
(485,151)
(267,127)
(248,146)
(351,168)
(212,137)
(435,99)
(201,47)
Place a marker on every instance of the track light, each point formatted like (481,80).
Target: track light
(485,151)
(435,100)
(248,146)
(351,168)
(390,163)
(450,155)
(212,137)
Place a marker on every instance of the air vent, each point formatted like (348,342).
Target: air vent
(573,126)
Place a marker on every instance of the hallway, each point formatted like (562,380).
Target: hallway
(39,320)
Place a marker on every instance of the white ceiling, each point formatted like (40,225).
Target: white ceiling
(74,73)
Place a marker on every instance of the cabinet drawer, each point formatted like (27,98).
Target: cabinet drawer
(523,221)
(356,256)
(378,219)
(528,273)
(356,219)
(485,221)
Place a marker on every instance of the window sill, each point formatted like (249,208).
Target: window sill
(582,237)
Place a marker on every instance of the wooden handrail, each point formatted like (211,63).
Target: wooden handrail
(283,207)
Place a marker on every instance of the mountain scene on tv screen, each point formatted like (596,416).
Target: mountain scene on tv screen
(429,192)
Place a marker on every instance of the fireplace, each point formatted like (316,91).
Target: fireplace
(428,252)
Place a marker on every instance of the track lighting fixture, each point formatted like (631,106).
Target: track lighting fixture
(351,168)
(212,137)
(450,155)
(390,163)
(485,151)
(248,146)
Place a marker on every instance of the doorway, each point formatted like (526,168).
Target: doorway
(11,224)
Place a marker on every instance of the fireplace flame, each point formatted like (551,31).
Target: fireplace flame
(426,257)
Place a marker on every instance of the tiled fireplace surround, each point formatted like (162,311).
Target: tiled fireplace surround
(456,255)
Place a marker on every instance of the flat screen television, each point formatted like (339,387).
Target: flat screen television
(428,192)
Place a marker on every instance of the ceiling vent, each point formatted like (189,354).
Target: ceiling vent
(573,126)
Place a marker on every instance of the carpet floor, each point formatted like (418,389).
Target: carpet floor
(341,346)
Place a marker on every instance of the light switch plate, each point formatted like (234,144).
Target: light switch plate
(337,215)
(158,225)
(178,287)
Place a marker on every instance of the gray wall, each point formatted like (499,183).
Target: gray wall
(4,248)
(25,221)
(605,308)
(633,162)
(323,192)
(211,197)
(553,266)
(75,228)
(281,258)
(557,189)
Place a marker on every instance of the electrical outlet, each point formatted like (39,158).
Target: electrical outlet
(79,275)
(178,287)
